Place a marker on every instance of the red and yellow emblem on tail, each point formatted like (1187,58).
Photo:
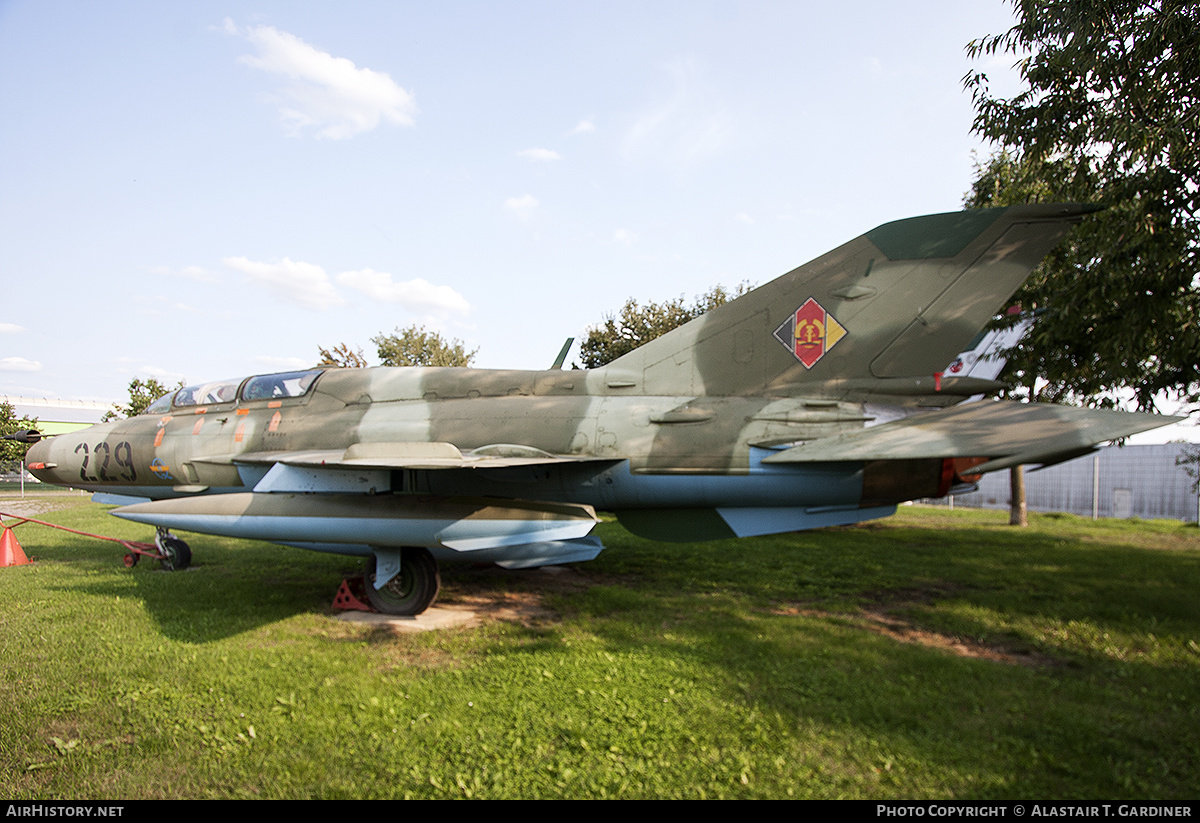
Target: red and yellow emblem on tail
(809,332)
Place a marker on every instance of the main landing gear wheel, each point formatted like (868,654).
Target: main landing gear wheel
(176,555)
(410,592)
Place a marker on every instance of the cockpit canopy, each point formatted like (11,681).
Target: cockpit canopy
(207,394)
(279,386)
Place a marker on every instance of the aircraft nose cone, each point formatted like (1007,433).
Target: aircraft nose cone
(39,452)
(36,459)
(54,460)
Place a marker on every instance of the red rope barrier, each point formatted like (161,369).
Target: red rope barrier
(129,544)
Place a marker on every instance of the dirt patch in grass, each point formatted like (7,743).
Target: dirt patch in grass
(904,631)
(35,505)
(883,615)
(524,608)
(515,596)
(469,597)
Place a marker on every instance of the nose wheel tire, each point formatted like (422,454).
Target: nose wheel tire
(177,555)
(410,592)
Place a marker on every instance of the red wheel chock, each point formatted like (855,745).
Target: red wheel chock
(352,596)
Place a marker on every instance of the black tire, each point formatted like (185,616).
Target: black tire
(410,592)
(178,554)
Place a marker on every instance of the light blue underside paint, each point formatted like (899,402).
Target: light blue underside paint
(776,520)
(511,557)
(768,499)
(108,499)
(459,535)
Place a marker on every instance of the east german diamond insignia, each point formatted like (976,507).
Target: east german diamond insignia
(809,332)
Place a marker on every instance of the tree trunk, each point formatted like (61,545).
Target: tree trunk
(1018,516)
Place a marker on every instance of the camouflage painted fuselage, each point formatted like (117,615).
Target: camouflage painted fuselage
(632,452)
(794,406)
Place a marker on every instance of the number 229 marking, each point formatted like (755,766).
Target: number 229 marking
(121,454)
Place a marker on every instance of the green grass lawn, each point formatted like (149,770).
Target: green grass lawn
(932,655)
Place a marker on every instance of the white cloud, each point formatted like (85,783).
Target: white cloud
(521,206)
(327,93)
(416,295)
(584,127)
(10,328)
(625,237)
(19,364)
(540,155)
(296,282)
(742,217)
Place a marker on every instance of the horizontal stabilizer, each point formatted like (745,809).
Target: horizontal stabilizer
(1026,433)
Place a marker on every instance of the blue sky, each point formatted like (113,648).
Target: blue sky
(199,190)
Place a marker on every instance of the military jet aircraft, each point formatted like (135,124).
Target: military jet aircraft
(818,399)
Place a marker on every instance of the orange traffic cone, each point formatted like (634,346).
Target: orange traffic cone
(10,550)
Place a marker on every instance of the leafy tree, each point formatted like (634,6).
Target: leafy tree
(1109,114)
(636,325)
(11,451)
(342,357)
(1189,461)
(418,346)
(141,394)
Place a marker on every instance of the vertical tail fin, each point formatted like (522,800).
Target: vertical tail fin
(898,302)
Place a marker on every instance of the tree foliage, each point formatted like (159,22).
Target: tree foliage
(1110,114)
(141,394)
(341,356)
(10,450)
(636,325)
(1189,461)
(418,346)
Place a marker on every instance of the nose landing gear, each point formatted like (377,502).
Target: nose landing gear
(173,554)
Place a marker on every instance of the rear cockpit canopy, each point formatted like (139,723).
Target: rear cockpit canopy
(279,386)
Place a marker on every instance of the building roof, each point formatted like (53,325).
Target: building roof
(49,410)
